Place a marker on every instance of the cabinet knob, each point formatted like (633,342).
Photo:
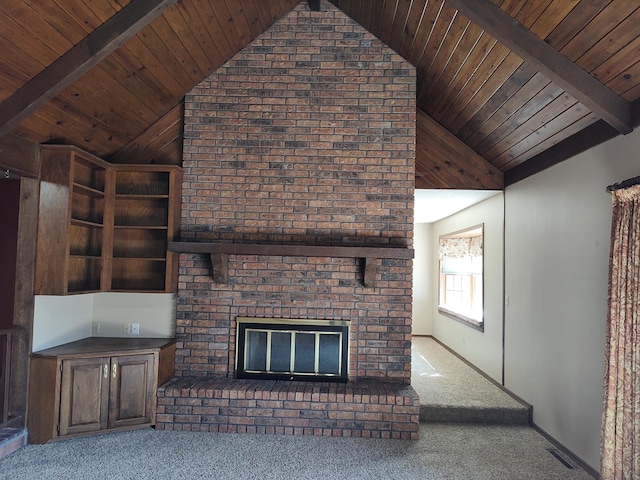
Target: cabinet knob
(114,370)
(106,370)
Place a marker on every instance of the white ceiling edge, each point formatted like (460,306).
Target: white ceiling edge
(433,205)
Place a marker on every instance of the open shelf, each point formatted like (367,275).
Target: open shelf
(85,223)
(88,209)
(71,233)
(141,211)
(85,239)
(139,274)
(86,175)
(140,242)
(143,182)
(84,273)
(105,227)
(80,189)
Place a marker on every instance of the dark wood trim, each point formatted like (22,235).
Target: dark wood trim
(78,60)
(624,184)
(24,296)
(220,267)
(585,139)
(635,113)
(572,456)
(5,363)
(19,156)
(555,66)
(370,271)
(291,250)
(219,261)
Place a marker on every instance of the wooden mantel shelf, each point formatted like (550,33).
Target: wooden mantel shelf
(219,251)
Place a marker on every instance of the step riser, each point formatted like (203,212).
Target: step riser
(488,416)
(11,439)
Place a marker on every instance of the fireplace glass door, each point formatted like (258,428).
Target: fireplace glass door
(285,350)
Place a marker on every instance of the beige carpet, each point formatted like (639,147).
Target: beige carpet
(444,452)
(452,391)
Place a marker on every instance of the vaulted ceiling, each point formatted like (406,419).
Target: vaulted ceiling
(504,87)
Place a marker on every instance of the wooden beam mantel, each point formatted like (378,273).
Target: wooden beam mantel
(219,251)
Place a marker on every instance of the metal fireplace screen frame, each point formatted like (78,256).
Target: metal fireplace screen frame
(286,349)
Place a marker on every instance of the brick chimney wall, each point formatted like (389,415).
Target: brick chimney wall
(306,137)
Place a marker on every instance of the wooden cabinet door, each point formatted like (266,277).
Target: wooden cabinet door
(132,391)
(84,395)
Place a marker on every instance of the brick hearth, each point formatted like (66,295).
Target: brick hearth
(371,410)
(305,137)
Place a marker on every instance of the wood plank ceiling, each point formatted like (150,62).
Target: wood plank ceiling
(489,104)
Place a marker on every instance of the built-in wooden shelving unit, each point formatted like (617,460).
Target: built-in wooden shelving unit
(105,227)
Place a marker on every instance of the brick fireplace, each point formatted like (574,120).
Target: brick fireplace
(305,138)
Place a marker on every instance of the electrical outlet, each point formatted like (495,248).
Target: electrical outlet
(126,328)
(135,329)
(95,328)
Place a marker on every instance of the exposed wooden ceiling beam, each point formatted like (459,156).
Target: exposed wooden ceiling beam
(555,66)
(587,138)
(78,60)
(582,141)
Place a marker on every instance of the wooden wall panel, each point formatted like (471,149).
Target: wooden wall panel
(10,201)
(467,81)
(144,79)
(24,299)
(19,156)
(160,143)
(530,103)
(532,146)
(443,161)
(482,93)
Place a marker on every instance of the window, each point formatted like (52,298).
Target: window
(461,276)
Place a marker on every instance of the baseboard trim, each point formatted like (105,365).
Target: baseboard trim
(574,458)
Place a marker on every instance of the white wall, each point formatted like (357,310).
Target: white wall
(556,268)
(155,312)
(483,349)
(422,280)
(63,319)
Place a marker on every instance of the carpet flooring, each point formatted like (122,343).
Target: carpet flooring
(452,391)
(444,451)
(447,450)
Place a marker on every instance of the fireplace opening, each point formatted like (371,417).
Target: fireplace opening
(286,349)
